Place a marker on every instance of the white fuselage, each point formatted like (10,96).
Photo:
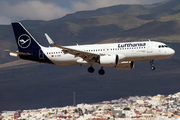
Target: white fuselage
(131,51)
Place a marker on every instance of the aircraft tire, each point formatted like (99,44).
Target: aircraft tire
(152,68)
(101,72)
(91,69)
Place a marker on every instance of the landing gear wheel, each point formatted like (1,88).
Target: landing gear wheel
(152,68)
(91,69)
(152,63)
(101,71)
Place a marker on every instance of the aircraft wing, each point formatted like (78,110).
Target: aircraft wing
(77,53)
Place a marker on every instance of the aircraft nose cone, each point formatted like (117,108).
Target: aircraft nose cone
(171,52)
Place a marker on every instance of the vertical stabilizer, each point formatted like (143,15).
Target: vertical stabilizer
(24,39)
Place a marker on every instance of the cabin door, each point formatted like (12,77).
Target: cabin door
(149,47)
(41,54)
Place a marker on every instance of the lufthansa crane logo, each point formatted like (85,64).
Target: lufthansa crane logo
(24,41)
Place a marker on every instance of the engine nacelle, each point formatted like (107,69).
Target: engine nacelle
(109,61)
(126,65)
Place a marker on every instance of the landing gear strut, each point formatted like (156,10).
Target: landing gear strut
(152,65)
(101,71)
(91,69)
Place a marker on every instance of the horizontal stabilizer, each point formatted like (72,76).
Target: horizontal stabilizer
(19,53)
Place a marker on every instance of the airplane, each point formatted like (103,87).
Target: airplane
(119,55)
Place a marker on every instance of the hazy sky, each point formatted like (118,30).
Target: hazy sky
(16,10)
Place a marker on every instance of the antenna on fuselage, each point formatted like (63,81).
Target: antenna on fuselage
(149,40)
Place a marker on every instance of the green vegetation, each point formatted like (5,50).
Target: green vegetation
(171,17)
(136,10)
(123,20)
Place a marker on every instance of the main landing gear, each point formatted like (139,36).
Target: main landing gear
(152,65)
(101,71)
(91,70)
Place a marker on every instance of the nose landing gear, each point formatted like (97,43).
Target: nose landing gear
(152,65)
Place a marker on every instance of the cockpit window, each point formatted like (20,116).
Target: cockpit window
(162,46)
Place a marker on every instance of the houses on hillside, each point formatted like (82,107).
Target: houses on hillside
(133,107)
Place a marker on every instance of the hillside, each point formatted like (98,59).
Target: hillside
(110,24)
(155,30)
(28,85)
(35,85)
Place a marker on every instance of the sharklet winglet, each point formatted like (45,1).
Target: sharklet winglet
(51,42)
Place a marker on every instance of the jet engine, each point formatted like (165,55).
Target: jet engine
(109,61)
(126,65)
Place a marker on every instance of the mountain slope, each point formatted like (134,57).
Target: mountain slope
(111,24)
(155,30)
(28,85)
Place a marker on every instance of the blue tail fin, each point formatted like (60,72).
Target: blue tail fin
(24,39)
(29,48)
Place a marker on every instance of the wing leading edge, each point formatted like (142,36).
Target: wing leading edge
(89,57)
